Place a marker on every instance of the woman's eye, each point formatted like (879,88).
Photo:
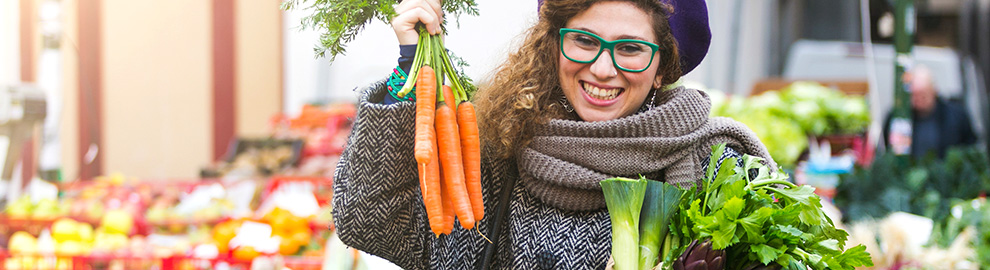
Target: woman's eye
(585,40)
(631,48)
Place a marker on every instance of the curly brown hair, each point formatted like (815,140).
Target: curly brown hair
(525,90)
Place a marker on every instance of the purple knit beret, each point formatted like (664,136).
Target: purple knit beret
(689,24)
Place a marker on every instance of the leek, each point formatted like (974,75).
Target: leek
(659,205)
(624,199)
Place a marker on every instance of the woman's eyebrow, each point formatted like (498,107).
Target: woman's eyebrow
(634,37)
(624,36)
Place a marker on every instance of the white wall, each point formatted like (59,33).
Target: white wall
(50,80)
(483,41)
(10,57)
(301,71)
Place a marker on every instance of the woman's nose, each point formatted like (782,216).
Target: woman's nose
(603,68)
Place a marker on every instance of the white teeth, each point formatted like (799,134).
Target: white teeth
(603,94)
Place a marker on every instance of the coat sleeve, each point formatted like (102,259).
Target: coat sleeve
(377,207)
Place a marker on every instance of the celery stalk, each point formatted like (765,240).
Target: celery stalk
(624,199)
(659,205)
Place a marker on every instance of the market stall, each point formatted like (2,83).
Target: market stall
(265,206)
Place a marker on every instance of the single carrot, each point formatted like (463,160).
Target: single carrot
(448,97)
(426,92)
(450,159)
(448,207)
(467,124)
(429,184)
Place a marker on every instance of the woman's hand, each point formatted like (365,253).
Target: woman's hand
(411,12)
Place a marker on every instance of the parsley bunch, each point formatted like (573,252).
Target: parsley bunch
(763,219)
(340,21)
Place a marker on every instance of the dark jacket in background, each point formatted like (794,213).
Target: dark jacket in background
(947,126)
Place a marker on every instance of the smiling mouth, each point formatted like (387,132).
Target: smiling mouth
(600,93)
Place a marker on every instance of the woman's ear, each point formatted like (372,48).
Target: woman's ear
(657,82)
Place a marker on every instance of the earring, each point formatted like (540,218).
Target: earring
(653,98)
(648,105)
(565,104)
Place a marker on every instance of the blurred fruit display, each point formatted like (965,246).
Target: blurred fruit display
(97,226)
(117,222)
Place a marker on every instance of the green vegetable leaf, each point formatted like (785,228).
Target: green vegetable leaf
(787,216)
(810,210)
(854,257)
(706,226)
(730,211)
(828,246)
(766,253)
(813,259)
(735,188)
(340,21)
(802,194)
(829,232)
(726,170)
(703,225)
(753,162)
(788,234)
(790,263)
(753,224)
(724,236)
(717,151)
(726,218)
(790,230)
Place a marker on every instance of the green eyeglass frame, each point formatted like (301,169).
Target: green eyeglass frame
(610,45)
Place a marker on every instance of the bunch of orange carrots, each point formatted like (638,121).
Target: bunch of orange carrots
(447,144)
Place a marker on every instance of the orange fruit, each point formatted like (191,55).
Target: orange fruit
(245,253)
(288,247)
(275,213)
(223,232)
(298,223)
(301,237)
(279,223)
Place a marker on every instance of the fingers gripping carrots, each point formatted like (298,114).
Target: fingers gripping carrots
(446,140)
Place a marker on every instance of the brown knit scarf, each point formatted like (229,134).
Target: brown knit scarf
(566,159)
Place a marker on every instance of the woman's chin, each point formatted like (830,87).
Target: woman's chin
(596,115)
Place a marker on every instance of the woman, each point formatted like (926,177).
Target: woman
(579,102)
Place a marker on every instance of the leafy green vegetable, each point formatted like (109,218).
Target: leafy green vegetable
(924,187)
(340,21)
(766,253)
(758,216)
(974,214)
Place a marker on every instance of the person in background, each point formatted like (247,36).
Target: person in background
(937,124)
(589,94)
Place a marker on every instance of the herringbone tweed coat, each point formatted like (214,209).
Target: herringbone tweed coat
(377,206)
